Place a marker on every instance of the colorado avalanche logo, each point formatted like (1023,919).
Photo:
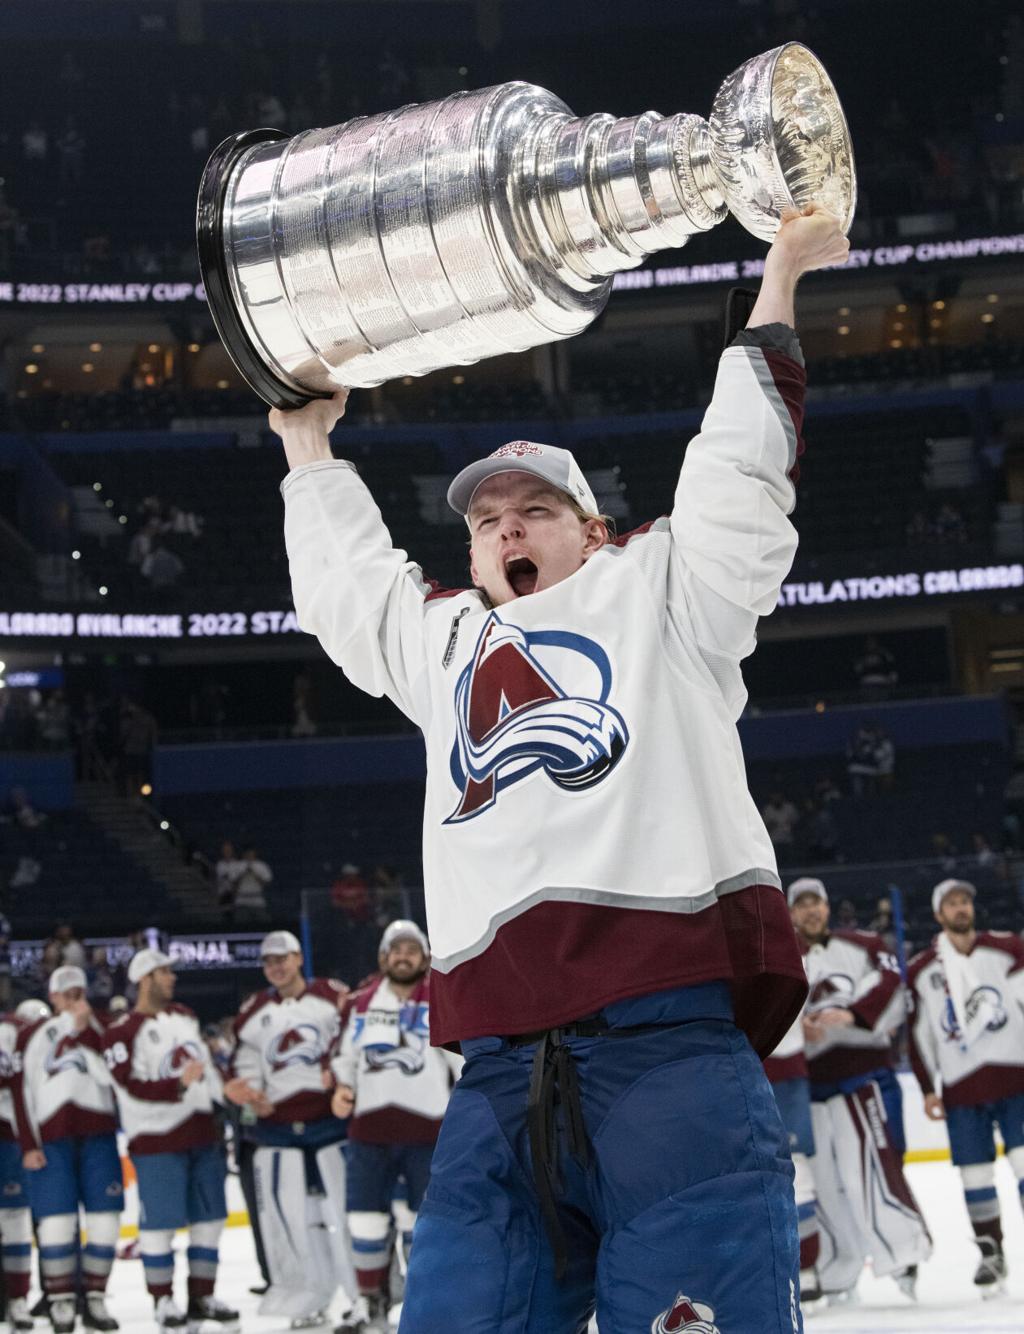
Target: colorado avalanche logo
(685,1315)
(301,1045)
(513,718)
(65,1055)
(174,1062)
(986,999)
(829,991)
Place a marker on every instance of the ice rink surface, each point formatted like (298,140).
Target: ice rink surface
(947,1301)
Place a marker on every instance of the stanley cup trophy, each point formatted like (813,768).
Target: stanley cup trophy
(490,221)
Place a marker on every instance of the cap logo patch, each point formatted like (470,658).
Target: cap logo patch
(517,448)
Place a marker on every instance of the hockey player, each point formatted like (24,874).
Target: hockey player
(166,1085)
(787,1073)
(15,1213)
(608,929)
(67,1129)
(279,1068)
(967,1034)
(856,1001)
(395,1086)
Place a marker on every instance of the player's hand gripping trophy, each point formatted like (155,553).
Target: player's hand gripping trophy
(490,221)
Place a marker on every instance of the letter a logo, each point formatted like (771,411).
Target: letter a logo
(513,718)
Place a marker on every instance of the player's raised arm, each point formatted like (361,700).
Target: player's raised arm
(352,587)
(736,491)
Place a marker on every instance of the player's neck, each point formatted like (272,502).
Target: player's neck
(294,989)
(403,990)
(963,942)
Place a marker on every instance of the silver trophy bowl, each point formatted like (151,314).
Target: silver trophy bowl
(490,221)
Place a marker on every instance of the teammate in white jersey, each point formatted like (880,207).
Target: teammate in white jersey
(67,1128)
(395,1087)
(602,897)
(15,1213)
(166,1084)
(967,1037)
(855,1004)
(279,1068)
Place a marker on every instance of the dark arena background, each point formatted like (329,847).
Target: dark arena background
(162,716)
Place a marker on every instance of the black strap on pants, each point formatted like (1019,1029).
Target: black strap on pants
(553,1082)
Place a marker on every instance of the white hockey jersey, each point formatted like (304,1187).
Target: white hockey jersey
(852,970)
(9,1026)
(146,1055)
(588,831)
(283,1047)
(61,1086)
(401,1083)
(992,1065)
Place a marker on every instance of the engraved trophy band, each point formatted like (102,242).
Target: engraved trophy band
(488,222)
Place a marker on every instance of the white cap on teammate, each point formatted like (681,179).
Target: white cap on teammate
(945,887)
(403,929)
(807,884)
(66,978)
(31,1010)
(280,942)
(146,962)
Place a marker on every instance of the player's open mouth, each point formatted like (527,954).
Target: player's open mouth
(521,573)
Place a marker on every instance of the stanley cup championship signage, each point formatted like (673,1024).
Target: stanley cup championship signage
(488,222)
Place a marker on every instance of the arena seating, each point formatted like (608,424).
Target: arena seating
(83,877)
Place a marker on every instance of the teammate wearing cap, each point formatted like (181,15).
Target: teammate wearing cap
(967,1035)
(602,896)
(15,1213)
(279,1069)
(166,1085)
(67,1124)
(855,1004)
(395,1087)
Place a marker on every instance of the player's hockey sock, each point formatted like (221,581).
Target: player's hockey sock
(58,1253)
(371,1246)
(155,1246)
(1016,1157)
(982,1200)
(101,1231)
(806,1213)
(203,1241)
(16,1250)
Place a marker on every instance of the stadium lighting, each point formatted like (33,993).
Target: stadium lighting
(146,790)
(95,347)
(122,518)
(843,329)
(31,368)
(102,590)
(987,318)
(88,367)
(38,347)
(194,347)
(76,555)
(992,298)
(844,310)
(97,486)
(458,379)
(164,824)
(153,347)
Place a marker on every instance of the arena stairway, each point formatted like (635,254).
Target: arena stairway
(133,831)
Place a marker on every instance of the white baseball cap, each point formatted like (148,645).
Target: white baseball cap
(280,942)
(403,929)
(807,884)
(945,887)
(67,976)
(146,962)
(555,466)
(31,1010)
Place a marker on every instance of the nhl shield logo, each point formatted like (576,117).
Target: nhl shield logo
(685,1317)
